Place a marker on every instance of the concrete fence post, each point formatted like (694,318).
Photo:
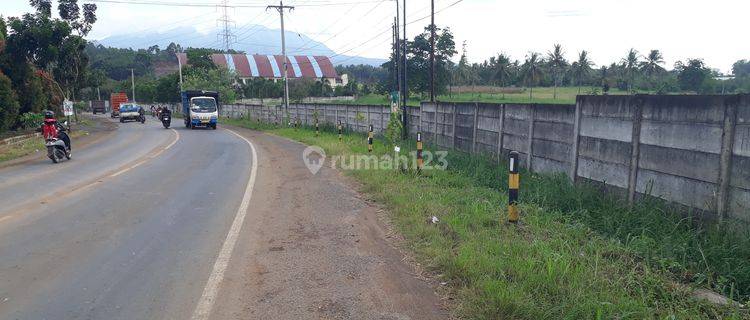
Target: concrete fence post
(474,133)
(435,132)
(635,149)
(576,136)
(530,142)
(727,147)
(382,117)
(453,127)
(500,132)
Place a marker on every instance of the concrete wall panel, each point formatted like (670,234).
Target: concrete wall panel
(689,192)
(609,173)
(555,131)
(551,150)
(706,109)
(685,163)
(605,150)
(607,128)
(543,165)
(740,174)
(690,136)
(739,204)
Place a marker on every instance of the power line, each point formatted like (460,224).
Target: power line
(183,4)
(226,34)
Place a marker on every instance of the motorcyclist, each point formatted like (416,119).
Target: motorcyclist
(166,111)
(141,112)
(53,129)
(153,111)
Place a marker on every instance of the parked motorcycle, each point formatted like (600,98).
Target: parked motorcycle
(166,119)
(56,148)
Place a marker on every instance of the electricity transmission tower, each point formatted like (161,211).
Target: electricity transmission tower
(225,36)
(280,8)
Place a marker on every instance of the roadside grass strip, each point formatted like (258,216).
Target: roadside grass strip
(575,254)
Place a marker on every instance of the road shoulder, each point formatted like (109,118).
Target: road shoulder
(313,247)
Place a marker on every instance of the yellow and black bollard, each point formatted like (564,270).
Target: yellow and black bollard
(369,140)
(513,184)
(317,128)
(420,160)
(341,131)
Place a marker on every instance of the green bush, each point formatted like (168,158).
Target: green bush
(8,104)
(30,120)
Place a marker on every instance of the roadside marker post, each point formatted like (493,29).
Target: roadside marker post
(420,160)
(317,128)
(369,140)
(513,184)
(341,135)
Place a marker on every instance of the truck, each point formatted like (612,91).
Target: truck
(115,100)
(98,106)
(200,108)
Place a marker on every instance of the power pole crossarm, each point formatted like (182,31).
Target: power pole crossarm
(280,8)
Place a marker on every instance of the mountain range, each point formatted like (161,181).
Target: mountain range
(255,39)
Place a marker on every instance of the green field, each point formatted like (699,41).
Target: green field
(565,95)
(577,253)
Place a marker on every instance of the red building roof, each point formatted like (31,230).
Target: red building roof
(272,66)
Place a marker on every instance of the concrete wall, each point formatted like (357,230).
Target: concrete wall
(690,150)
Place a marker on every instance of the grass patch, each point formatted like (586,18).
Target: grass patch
(29,146)
(578,253)
(565,95)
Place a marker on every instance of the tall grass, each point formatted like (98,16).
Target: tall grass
(577,254)
(693,250)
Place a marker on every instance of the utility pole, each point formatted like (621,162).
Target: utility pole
(397,60)
(432,52)
(404,117)
(132,77)
(280,8)
(179,64)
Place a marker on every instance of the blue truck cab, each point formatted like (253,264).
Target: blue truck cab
(200,108)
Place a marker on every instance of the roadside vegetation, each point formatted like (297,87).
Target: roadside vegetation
(577,254)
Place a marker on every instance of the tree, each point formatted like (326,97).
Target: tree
(531,71)
(630,64)
(215,79)
(8,103)
(557,62)
(582,68)
(652,65)
(693,75)
(741,68)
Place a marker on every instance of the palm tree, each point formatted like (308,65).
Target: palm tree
(630,63)
(502,68)
(531,71)
(582,68)
(557,62)
(652,65)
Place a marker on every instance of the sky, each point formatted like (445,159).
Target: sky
(712,30)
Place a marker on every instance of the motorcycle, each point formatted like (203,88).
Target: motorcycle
(56,148)
(142,118)
(166,120)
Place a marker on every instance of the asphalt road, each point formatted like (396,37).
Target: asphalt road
(147,223)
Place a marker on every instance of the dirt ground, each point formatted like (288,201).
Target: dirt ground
(313,248)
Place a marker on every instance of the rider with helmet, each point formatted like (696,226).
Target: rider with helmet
(53,129)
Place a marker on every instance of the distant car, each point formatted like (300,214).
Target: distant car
(129,111)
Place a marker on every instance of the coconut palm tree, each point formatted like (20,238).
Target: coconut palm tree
(652,65)
(582,68)
(531,71)
(558,63)
(502,70)
(630,64)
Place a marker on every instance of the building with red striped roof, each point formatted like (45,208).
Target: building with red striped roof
(248,66)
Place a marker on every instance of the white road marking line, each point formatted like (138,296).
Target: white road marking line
(211,290)
(177,138)
(5,218)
